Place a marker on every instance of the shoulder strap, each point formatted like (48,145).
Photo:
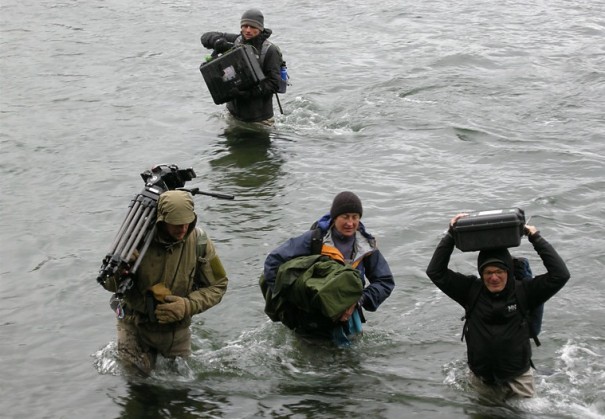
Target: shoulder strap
(202,239)
(263,52)
(474,292)
(200,251)
(522,301)
(316,240)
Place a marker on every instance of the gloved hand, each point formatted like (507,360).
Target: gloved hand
(237,93)
(222,45)
(209,39)
(160,292)
(173,309)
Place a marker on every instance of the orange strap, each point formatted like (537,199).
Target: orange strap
(332,253)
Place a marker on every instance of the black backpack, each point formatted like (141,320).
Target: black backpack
(283,81)
(523,273)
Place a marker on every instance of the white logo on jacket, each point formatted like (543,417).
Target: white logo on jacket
(511,308)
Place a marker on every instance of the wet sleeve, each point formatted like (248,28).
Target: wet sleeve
(455,285)
(546,285)
(380,278)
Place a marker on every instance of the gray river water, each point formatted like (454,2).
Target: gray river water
(424,109)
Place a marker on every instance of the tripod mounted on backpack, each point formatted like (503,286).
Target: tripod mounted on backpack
(138,228)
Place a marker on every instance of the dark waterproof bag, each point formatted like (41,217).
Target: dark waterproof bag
(237,69)
(484,230)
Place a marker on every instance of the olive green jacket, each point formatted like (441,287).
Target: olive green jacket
(174,265)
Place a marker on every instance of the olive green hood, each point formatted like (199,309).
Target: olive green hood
(176,207)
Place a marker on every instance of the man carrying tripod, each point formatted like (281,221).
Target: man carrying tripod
(180,275)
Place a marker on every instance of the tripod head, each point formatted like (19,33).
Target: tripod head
(165,177)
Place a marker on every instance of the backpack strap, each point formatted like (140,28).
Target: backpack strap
(263,51)
(200,251)
(521,297)
(474,292)
(202,239)
(316,240)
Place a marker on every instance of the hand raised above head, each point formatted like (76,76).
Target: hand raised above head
(457,217)
(529,230)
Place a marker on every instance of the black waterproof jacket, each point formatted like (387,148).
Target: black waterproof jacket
(256,104)
(497,334)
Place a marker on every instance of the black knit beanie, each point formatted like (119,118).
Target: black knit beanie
(254,18)
(496,257)
(345,202)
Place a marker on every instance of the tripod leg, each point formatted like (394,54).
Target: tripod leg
(134,207)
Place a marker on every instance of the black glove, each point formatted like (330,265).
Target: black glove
(237,93)
(222,45)
(209,38)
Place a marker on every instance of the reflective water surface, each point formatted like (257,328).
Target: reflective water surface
(423,109)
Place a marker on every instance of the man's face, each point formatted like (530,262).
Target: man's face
(177,231)
(494,278)
(347,224)
(249,32)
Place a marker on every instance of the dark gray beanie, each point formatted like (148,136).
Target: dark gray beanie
(254,18)
(345,202)
(496,257)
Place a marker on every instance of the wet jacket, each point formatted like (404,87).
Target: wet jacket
(174,265)
(497,334)
(367,259)
(256,104)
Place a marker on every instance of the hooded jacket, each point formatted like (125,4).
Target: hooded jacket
(174,263)
(256,104)
(367,259)
(497,334)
